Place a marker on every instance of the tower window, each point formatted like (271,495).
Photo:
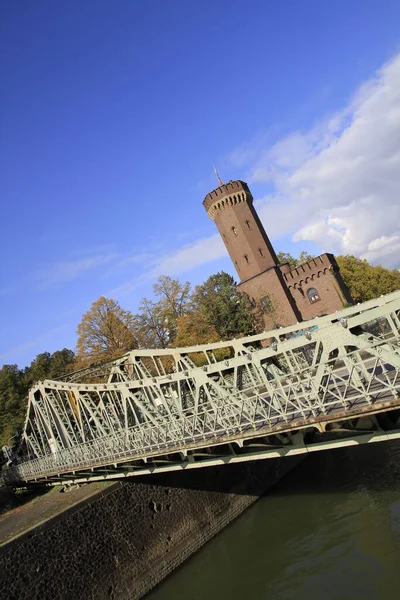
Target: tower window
(246,258)
(261,252)
(248,224)
(234,230)
(312,295)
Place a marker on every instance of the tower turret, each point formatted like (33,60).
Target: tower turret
(231,207)
(284,296)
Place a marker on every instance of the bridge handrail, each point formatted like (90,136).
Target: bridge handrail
(320,322)
(58,422)
(391,302)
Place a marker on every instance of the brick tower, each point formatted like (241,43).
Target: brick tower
(261,277)
(231,207)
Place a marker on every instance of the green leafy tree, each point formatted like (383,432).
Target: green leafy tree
(12,402)
(225,308)
(304,257)
(365,281)
(106,331)
(50,366)
(285,257)
(62,361)
(15,384)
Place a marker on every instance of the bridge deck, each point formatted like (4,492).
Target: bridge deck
(188,407)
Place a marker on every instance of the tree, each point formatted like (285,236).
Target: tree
(285,257)
(49,366)
(174,302)
(15,384)
(174,295)
(106,331)
(62,361)
(151,325)
(225,308)
(304,257)
(194,328)
(157,322)
(366,281)
(12,402)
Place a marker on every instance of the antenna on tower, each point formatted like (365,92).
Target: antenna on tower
(217,176)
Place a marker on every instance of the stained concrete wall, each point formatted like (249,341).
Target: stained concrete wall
(123,542)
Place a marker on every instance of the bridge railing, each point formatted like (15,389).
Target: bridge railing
(297,405)
(333,368)
(174,358)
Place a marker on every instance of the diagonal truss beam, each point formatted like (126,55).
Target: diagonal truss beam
(151,402)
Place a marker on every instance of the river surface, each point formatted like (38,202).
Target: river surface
(329,530)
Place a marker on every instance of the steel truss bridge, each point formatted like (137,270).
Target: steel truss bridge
(333,381)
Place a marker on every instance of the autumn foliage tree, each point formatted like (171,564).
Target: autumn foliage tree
(106,331)
(194,328)
(365,281)
(178,317)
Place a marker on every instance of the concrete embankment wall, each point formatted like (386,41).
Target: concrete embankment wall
(126,539)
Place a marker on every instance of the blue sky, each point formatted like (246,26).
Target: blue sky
(112,114)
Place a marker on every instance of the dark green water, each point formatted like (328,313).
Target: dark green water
(329,530)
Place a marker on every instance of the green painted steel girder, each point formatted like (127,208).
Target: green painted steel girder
(153,403)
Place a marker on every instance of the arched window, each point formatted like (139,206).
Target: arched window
(261,252)
(248,224)
(234,229)
(312,295)
(246,258)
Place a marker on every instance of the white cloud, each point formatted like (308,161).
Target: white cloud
(191,256)
(176,263)
(72,269)
(339,184)
(69,270)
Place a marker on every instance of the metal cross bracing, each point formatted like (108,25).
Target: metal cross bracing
(254,397)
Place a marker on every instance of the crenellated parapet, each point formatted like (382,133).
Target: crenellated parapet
(311,270)
(229,194)
(317,286)
(312,289)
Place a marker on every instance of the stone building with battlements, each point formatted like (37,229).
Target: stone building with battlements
(285,296)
